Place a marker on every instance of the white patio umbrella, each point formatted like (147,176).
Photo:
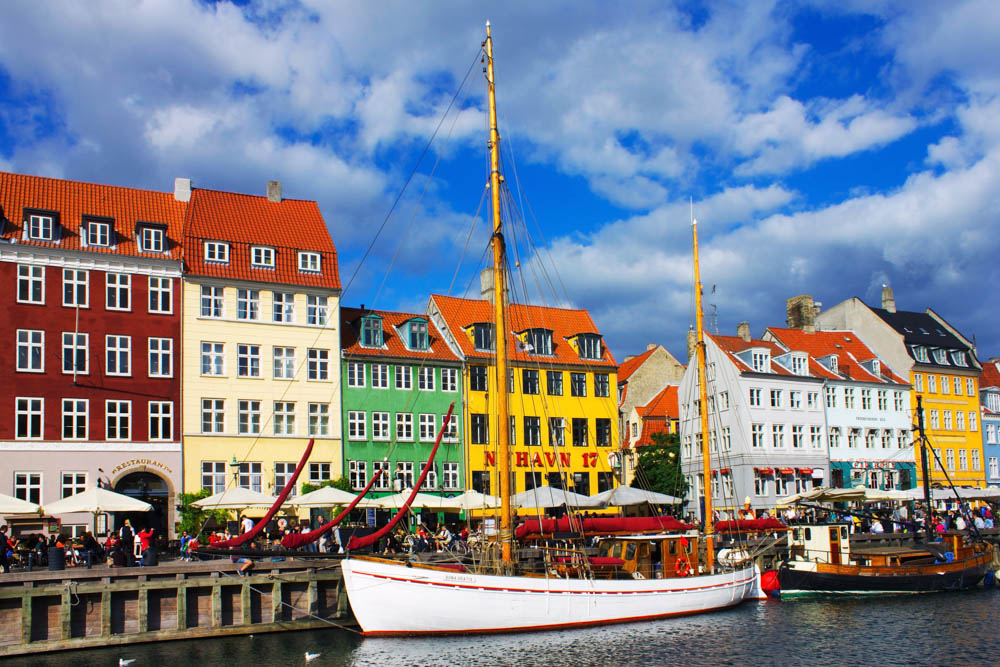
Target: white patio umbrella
(329,496)
(546,496)
(628,495)
(12,505)
(96,501)
(397,500)
(236,498)
(826,495)
(469,500)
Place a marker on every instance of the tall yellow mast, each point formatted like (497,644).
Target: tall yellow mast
(703,394)
(499,321)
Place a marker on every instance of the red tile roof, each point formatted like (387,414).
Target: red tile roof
(247,220)
(651,427)
(73,200)
(846,345)
(664,404)
(630,366)
(991,374)
(393,346)
(565,323)
(734,344)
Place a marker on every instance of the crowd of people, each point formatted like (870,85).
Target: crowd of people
(124,547)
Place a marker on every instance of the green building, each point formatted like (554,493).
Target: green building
(399,379)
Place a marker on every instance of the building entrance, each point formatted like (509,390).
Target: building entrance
(147,487)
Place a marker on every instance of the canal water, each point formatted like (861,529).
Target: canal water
(939,629)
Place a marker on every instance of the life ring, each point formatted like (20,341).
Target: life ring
(282,524)
(682,567)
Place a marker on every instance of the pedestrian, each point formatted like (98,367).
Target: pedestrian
(127,536)
(246,525)
(185,546)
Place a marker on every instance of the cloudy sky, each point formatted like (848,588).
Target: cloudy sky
(828,147)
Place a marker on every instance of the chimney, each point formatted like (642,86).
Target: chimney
(274,191)
(182,189)
(628,357)
(486,284)
(692,341)
(651,346)
(743,331)
(800,313)
(888,300)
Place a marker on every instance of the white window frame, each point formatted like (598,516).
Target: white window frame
(309,262)
(31,282)
(449,380)
(283,365)
(98,233)
(317,310)
(32,410)
(213,358)
(382,482)
(356,425)
(213,304)
(247,360)
(160,295)
(78,414)
(251,476)
(425,378)
(72,482)
(161,413)
(119,416)
(32,343)
(404,377)
(120,286)
(319,419)
(404,426)
(404,473)
(357,474)
(319,473)
(380,427)
(284,418)
(75,288)
(30,488)
(217,252)
(41,227)
(318,364)
(213,415)
(355,374)
(261,257)
(248,416)
(427,425)
(283,472)
(756,395)
(160,353)
(152,239)
(283,307)
(117,355)
(248,304)
(214,473)
(380,376)
(450,475)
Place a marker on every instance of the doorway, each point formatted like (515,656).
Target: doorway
(147,487)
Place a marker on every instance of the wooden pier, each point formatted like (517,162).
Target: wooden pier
(79,607)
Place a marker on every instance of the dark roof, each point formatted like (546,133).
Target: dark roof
(924,329)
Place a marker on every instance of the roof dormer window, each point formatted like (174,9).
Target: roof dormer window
(920,353)
(876,368)
(371,331)
(761,361)
(40,225)
(98,233)
(152,238)
(482,336)
(800,364)
(959,359)
(417,334)
(834,363)
(537,341)
(217,251)
(940,357)
(261,257)
(590,346)
(309,262)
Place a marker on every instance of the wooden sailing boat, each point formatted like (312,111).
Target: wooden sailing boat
(641,573)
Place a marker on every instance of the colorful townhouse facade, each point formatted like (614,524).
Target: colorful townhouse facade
(91,392)
(941,366)
(400,378)
(261,341)
(989,397)
(660,414)
(766,421)
(562,407)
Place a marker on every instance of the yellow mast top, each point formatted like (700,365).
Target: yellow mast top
(499,320)
(703,395)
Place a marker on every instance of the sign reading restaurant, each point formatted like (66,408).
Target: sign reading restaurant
(141,462)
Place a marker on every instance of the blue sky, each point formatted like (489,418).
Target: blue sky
(829,147)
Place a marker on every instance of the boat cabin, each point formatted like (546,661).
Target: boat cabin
(820,543)
(651,556)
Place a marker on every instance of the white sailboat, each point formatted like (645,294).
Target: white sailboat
(648,575)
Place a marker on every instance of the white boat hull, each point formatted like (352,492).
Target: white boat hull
(393,599)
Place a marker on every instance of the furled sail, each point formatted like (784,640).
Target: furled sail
(533,528)
(296,540)
(362,542)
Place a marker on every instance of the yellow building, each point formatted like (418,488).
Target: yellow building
(261,344)
(562,409)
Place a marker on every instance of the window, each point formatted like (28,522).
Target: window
(724,400)
(554,381)
(249,417)
(602,426)
(798,436)
(428,427)
(98,233)
(160,295)
(213,476)
(317,310)
(761,361)
(357,472)
(450,476)
(482,334)
(248,361)
(795,399)
(380,469)
(775,398)
(152,239)
(404,426)
(449,379)
(799,364)
(283,472)
(284,418)
(853,438)
(950,458)
(940,356)
(815,437)
(216,251)
(760,484)
(935,419)
(755,397)
(920,353)
(974,455)
(319,473)
(404,378)
(284,364)
(28,486)
(75,414)
(849,397)
(780,485)
(778,436)
(284,307)
(477,378)
(945,387)
(886,439)
(757,435)
(30,284)
(404,473)
(947,419)
(557,432)
(918,382)
(512,435)
(727,439)
(871,438)
(529,381)
(590,346)
(380,376)
(76,290)
(355,374)
(309,262)
(41,227)
(261,257)
(972,422)
(418,335)
(479,432)
(897,400)
(248,304)
(212,358)
(118,355)
(994,466)
(371,331)
(866,399)
(30,351)
(160,357)
(250,476)
(602,385)
(835,437)
(578,384)
(319,419)
(29,418)
(319,364)
(532,431)
(161,420)
(579,432)
(970,386)
(119,287)
(72,484)
(451,430)
(118,420)
(425,378)
(687,446)
(213,415)
(958,386)
(380,426)
(356,425)
(959,420)
(932,384)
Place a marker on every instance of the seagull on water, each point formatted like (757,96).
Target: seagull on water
(311,656)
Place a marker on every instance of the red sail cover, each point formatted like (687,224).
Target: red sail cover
(259,526)
(362,542)
(296,540)
(611,525)
(767,523)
